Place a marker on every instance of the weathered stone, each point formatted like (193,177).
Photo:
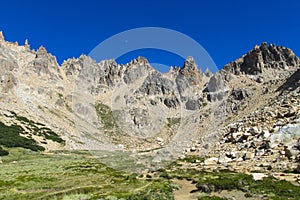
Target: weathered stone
(155,84)
(41,52)
(215,83)
(193,104)
(203,188)
(135,72)
(158,139)
(263,57)
(239,94)
(286,135)
(249,156)
(211,161)
(193,149)
(171,102)
(298,169)
(254,130)
(224,160)
(287,152)
(258,176)
(190,71)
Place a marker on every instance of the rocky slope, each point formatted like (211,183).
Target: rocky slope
(242,114)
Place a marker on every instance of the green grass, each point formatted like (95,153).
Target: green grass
(25,174)
(227,181)
(192,159)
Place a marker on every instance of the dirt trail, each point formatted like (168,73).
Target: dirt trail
(184,192)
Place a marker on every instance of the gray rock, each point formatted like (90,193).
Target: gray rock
(224,160)
(288,135)
(190,71)
(298,169)
(258,176)
(136,71)
(215,83)
(171,102)
(193,104)
(182,85)
(211,161)
(263,57)
(204,188)
(239,94)
(156,84)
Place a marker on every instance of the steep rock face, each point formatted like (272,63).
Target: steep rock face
(194,104)
(262,58)
(136,69)
(291,83)
(111,73)
(190,71)
(156,84)
(46,64)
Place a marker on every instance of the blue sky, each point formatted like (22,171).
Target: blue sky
(226,29)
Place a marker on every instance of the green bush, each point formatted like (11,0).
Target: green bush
(10,137)
(3,152)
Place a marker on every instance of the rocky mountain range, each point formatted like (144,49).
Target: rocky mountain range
(247,115)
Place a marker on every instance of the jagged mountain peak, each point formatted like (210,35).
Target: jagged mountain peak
(190,71)
(262,58)
(208,73)
(143,60)
(189,65)
(41,52)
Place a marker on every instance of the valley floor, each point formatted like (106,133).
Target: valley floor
(25,174)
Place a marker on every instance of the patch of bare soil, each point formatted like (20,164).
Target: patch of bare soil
(184,193)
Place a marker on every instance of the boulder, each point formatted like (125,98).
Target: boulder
(215,83)
(211,161)
(288,135)
(239,94)
(258,176)
(203,188)
(193,104)
(224,160)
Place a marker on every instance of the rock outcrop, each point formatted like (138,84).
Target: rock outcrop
(262,58)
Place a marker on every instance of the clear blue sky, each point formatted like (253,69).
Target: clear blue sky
(226,29)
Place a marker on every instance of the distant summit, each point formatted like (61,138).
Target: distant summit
(262,58)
